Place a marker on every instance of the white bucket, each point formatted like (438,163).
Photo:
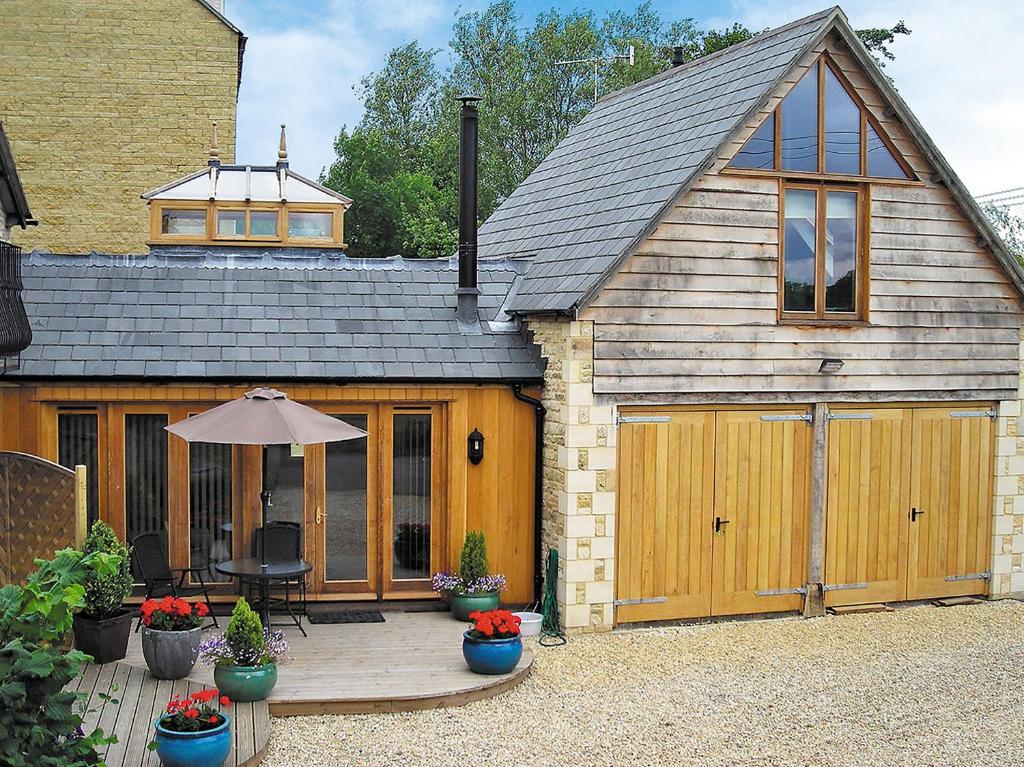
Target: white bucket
(530,626)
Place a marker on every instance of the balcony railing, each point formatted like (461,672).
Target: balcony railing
(15,331)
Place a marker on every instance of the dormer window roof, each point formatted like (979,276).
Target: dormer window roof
(247,205)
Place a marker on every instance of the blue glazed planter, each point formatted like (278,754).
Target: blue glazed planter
(194,749)
(491,656)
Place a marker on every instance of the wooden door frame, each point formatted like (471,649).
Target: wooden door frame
(419,588)
(51,429)
(317,513)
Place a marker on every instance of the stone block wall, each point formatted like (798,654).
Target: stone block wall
(579,475)
(104,99)
(1008,492)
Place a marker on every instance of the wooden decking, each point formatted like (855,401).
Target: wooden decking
(141,698)
(412,661)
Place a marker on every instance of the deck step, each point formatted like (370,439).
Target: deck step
(873,607)
(957,601)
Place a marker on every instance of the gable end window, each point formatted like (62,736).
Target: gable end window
(823,267)
(821,128)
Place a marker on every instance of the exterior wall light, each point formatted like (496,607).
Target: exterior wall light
(830,366)
(476,447)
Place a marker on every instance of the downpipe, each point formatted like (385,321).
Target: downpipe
(539,412)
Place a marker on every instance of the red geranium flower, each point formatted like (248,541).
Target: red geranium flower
(225,700)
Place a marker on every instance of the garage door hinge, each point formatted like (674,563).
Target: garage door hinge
(971,577)
(780,592)
(850,416)
(789,417)
(640,601)
(973,414)
(843,586)
(644,419)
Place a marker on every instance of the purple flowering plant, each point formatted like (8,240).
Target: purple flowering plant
(453,583)
(218,651)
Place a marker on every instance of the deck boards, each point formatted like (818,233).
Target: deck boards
(410,662)
(140,699)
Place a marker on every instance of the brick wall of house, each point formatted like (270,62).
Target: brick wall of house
(103,99)
(579,475)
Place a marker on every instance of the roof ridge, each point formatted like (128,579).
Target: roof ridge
(694,63)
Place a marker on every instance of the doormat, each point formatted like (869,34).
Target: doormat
(346,616)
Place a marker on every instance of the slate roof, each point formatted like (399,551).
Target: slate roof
(606,185)
(235,314)
(592,199)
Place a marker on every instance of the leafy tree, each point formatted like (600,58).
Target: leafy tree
(400,163)
(1009,227)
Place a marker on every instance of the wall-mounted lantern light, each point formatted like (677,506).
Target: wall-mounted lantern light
(476,447)
(830,366)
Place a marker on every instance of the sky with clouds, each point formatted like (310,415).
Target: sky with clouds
(956,71)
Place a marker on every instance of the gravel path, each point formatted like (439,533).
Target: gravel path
(920,686)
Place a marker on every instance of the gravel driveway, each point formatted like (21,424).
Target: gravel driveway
(919,686)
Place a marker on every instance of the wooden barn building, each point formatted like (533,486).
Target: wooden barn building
(776,343)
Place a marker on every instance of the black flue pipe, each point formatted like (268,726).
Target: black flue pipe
(467,191)
(678,56)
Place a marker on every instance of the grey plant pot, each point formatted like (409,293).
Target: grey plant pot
(170,654)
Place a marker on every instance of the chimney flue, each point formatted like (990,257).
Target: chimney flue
(678,56)
(468,293)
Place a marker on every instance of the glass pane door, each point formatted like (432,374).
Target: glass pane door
(209,501)
(286,478)
(411,531)
(348,560)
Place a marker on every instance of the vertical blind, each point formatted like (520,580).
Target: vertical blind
(209,497)
(411,495)
(78,445)
(145,473)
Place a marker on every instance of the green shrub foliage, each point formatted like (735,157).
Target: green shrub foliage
(40,722)
(105,594)
(245,635)
(473,563)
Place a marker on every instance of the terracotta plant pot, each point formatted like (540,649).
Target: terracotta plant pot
(245,683)
(105,640)
(463,604)
(171,654)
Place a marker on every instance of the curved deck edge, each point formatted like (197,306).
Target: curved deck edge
(384,705)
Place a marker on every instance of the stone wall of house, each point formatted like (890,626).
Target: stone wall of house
(579,475)
(104,99)
(1008,523)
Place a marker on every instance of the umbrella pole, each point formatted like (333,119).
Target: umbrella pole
(264,507)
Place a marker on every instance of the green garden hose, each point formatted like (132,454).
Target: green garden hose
(551,627)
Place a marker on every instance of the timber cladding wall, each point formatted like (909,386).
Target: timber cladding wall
(692,315)
(495,496)
(103,99)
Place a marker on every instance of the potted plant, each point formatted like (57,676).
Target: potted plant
(471,588)
(193,731)
(245,657)
(171,632)
(493,644)
(103,625)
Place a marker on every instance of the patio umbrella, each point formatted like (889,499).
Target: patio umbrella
(264,417)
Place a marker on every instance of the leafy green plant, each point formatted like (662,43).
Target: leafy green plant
(41,722)
(473,562)
(245,635)
(105,594)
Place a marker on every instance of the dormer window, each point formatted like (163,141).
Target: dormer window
(821,128)
(310,224)
(183,222)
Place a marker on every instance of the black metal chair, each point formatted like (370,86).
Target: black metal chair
(283,542)
(150,565)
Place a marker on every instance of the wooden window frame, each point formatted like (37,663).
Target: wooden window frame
(213,207)
(866,118)
(862,290)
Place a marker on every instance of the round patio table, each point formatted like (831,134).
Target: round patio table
(264,574)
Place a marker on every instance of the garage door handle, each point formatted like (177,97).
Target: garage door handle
(914,514)
(719,522)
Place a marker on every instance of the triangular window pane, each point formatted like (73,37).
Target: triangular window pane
(842,129)
(759,151)
(798,125)
(881,162)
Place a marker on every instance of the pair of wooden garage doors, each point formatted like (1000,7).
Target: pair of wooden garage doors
(714,508)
